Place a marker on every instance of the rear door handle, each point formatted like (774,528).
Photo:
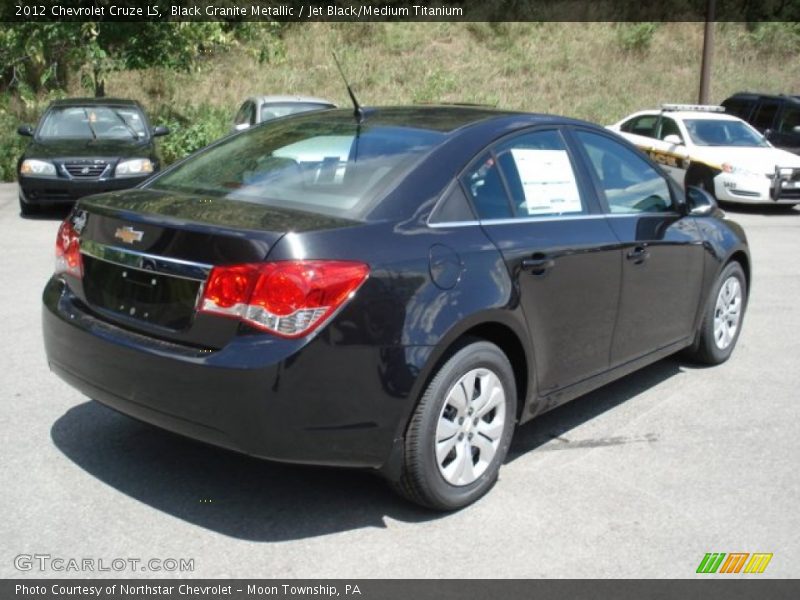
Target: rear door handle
(638,255)
(538,265)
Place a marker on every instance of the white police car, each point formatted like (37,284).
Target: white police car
(701,145)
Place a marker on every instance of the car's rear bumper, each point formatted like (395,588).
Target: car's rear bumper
(52,191)
(314,403)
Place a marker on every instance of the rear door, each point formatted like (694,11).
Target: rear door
(559,249)
(662,268)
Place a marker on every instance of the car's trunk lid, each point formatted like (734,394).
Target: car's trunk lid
(147,254)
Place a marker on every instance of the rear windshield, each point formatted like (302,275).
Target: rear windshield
(93,122)
(327,165)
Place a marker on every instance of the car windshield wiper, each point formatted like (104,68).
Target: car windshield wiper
(130,129)
(89,123)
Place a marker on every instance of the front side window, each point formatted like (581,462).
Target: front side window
(718,132)
(790,119)
(333,166)
(630,184)
(93,122)
(669,127)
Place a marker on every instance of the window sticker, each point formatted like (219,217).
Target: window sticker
(547,181)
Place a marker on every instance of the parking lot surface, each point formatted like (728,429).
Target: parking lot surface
(638,479)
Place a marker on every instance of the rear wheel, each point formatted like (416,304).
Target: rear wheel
(722,321)
(461,430)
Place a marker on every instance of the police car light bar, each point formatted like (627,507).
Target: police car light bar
(693,107)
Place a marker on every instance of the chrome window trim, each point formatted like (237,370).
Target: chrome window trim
(142,261)
(546,219)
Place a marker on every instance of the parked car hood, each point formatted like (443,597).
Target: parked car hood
(122,148)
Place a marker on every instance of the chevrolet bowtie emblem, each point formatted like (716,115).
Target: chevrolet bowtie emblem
(128,234)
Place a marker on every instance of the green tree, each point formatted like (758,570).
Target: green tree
(41,56)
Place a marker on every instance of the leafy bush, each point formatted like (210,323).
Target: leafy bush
(25,108)
(191,128)
(635,37)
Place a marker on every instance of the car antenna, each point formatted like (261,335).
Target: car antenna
(358,112)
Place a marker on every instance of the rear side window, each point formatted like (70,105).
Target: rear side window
(246,114)
(540,175)
(644,125)
(487,190)
(274,110)
(630,183)
(330,165)
(738,107)
(530,175)
(765,115)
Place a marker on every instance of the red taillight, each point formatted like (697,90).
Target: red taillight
(288,298)
(68,251)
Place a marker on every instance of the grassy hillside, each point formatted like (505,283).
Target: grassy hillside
(595,71)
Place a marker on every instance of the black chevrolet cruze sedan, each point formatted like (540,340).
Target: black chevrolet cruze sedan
(85,146)
(393,290)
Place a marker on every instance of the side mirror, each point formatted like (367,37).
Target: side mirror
(160,130)
(25,130)
(699,202)
(673,139)
(241,126)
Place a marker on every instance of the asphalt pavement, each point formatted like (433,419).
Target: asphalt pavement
(641,478)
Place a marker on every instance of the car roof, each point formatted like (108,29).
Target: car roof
(447,118)
(276,99)
(95,102)
(758,95)
(687,114)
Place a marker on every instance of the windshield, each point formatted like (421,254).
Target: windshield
(93,122)
(714,132)
(332,166)
(273,110)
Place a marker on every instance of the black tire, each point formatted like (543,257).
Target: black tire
(707,349)
(421,479)
(26,210)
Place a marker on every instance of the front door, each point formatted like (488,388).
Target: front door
(662,249)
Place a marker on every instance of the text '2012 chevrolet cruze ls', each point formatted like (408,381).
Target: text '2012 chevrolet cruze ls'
(395,289)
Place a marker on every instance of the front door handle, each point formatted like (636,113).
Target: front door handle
(538,264)
(638,255)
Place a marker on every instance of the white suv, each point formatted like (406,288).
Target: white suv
(701,145)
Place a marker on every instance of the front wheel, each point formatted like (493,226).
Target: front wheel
(461,429)
(722,322)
